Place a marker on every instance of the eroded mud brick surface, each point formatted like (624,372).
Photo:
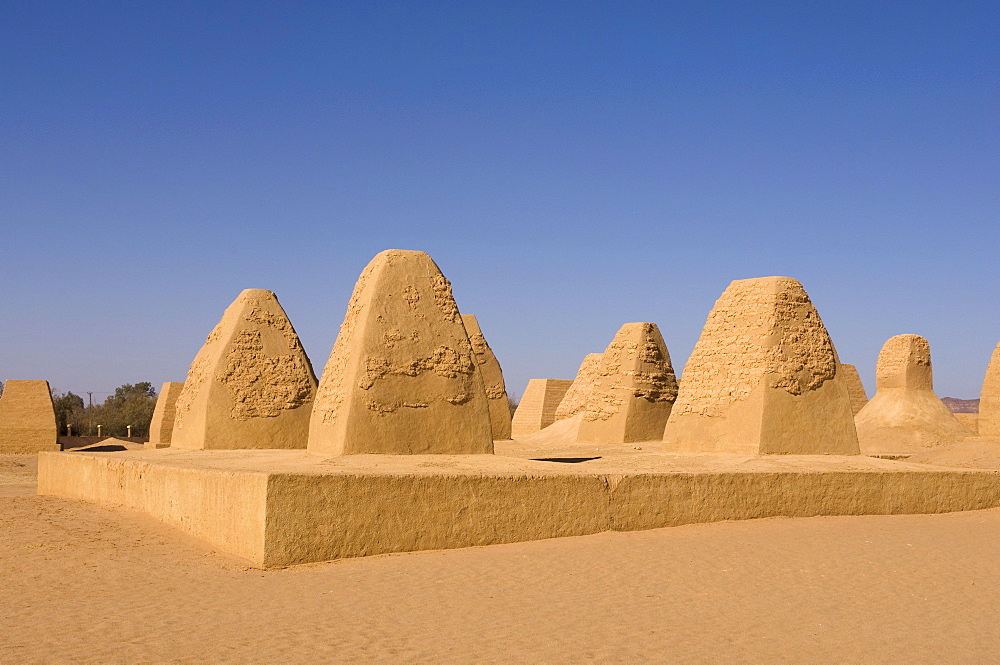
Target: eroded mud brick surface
(575,399)
(905,416)
(855,388)
(402,376)
(251,384)
(989,399)
(763,378)
(537,408)
(489,368)
(27,418)
(633,391)
(162,425)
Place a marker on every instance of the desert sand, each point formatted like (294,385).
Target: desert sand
(85,584)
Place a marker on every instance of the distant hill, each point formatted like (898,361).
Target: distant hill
(956,405)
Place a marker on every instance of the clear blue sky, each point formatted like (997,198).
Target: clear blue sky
(571,166)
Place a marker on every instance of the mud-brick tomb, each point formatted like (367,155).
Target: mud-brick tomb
(402,444)
(27,418)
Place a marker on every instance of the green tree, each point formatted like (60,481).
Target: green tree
(128,391)
(129,405)
(67,407)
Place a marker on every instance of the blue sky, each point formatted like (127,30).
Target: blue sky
(571,166)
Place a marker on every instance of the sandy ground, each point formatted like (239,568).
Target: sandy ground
(85,584)
(975,452)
